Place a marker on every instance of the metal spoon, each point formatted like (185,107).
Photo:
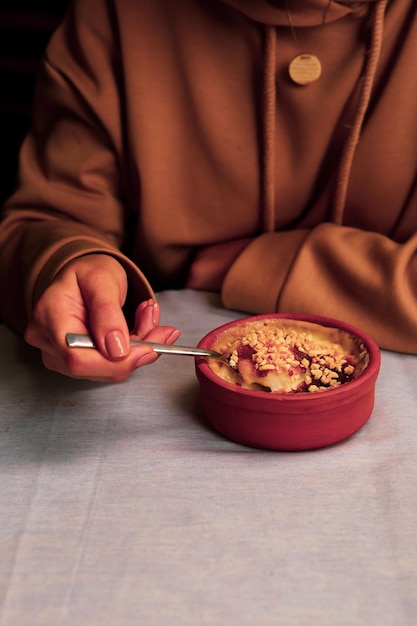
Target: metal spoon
(75,340)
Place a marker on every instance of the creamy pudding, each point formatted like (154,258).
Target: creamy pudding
(282,355)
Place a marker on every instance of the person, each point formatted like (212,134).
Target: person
(263,149)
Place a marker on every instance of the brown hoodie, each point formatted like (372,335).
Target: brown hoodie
(163,127)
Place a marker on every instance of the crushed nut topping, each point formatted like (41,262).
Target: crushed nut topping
(284,355)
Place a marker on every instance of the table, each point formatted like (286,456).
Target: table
(120,506)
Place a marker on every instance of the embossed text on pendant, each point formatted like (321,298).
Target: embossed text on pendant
(304,69)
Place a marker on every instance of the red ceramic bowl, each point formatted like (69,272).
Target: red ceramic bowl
(288,421)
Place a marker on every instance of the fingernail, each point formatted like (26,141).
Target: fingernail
(142,306)
(174,335)
(146,359)
(155,313)
(115,344)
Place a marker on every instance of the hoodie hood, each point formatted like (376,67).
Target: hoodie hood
(273,13)
(303,13)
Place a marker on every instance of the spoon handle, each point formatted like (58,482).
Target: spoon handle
(75,340)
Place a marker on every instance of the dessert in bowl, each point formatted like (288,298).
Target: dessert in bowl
(288,382)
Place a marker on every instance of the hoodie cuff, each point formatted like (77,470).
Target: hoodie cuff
(139,287)
(255,280)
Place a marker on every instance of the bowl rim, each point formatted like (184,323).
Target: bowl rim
(370,372)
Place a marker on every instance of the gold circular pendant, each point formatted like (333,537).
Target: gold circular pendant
(304,69)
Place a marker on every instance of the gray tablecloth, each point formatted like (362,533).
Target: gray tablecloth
(120,506)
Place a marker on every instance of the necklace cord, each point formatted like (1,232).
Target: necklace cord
(291,23)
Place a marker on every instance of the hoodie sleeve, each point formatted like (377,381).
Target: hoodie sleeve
(68,202)
(362,277)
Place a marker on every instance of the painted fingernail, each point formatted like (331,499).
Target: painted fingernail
(116,345)
(146,359)
(173,336)
(155,313)
(142,306)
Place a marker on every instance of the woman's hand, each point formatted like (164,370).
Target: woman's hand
(87,297)
(211,264)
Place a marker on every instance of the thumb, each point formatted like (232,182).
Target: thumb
(104,287)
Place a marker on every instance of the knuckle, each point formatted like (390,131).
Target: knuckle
(74,363)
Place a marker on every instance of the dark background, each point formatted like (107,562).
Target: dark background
(25,29)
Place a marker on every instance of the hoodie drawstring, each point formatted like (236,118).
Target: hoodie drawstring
(371,62)
(348,153)
(269,132)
